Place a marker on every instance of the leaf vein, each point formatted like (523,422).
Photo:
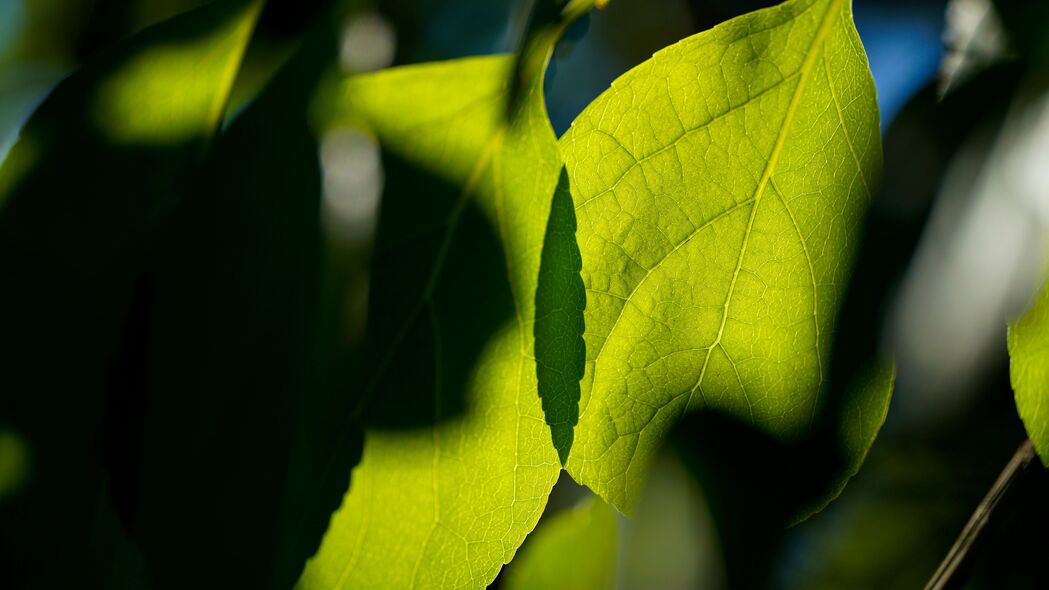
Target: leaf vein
(781,140)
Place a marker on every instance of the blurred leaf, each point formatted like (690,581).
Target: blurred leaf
(893,524)
(718,187)
(547,23)
(84,193)
(671,542)
(1026,24)
(1029,370)
(457,461)
(573,550)
(244,448)
(756,485)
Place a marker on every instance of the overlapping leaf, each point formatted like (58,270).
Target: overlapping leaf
(458,461)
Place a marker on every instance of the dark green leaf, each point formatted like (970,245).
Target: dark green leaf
(83,195)
(246,442)
(559,302)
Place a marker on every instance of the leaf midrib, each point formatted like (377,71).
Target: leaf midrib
(766,177)
(811,57)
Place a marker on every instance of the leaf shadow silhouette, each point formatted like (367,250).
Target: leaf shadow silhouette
(439,293)
(560,302)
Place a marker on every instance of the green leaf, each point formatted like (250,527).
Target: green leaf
(247,349)
(1029,370)
(574,550)
(457,462)
(718,188)
(559,302)
(83,197)
(547,23)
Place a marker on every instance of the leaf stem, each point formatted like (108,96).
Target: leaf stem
(945,575)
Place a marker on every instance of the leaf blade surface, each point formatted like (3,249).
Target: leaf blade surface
(717,188)
(443,497)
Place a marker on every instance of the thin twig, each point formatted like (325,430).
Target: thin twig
(959,553)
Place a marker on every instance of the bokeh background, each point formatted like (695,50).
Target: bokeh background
(956,245)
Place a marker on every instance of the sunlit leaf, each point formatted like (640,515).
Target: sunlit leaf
(458,460)
(719,188)
(572,550)
(1029,369)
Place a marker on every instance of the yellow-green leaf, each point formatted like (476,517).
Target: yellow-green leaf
(572,550)
(458,460)
(1029,370)
(719,189)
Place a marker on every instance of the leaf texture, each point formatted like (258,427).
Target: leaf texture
(457,462)
(718,189)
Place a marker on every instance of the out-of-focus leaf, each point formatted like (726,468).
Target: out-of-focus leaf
(457,462)
(245,445)
(82,198)
(547,24)
(857,542)
(671,542)
(573,550)
(1025,24)
(1029,370)
(718,187)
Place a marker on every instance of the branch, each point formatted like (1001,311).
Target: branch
(959,552)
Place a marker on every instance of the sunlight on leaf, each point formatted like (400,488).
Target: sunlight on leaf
(1029,369)
(177,76)
(458,461)
(719,188)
